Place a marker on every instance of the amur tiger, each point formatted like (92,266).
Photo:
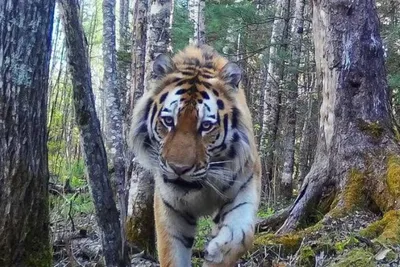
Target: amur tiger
(193,130)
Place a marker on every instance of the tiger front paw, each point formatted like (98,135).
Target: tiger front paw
(213,253)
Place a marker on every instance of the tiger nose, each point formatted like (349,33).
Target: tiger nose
(180,169)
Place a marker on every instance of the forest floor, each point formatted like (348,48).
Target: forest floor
(337,242)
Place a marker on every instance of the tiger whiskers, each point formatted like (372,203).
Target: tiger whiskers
(215,188)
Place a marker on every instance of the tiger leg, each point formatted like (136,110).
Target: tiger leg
(234,232)
(175,234)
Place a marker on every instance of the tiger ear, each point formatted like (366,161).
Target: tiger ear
(163,65)
(231,74)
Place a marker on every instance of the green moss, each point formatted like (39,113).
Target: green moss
(373,129)
(352,195)
(386,230)
(356,257)
(393,176)
(306,256)
(290,243)
(346,243)
(140,230)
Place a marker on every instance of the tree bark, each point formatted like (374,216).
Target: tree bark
(115,129)
(196,16)
(272,95)
(356,145)
(25,48)
(140,8)
(289,135)
(91,139)
(158,35)
(123,55)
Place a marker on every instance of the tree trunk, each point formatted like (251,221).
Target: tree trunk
(91,139)
(123,54)
(272,95)
(140,221)
(356,151)
(25,48)
(115,129)
(140,8)
(158,35)
(196,16)
(291,102)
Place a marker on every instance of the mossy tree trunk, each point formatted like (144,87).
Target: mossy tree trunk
(356,144)
(25,48)
(90,134)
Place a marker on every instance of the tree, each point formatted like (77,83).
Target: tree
(272,95)
(290,116)
(356,154)
(158,35)
(140,8)
(197,17)
(115,129)
(140,219)
(25,48)
(91,139)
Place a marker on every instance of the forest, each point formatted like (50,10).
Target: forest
(321,79)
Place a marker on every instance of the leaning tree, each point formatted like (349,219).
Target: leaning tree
(357,158)
(25,48)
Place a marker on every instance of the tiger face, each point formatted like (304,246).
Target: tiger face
(189,127)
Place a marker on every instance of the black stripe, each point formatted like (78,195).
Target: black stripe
(243,238)
(235,137)
(232,152)
(142,128)
(187,241)
(232,209)
(220,104)
(230,229)
(215,92)
(222,146)
(146,142)
(187,73)
(206,84)
(207,76)
(230,184)
(180,92)
(153,114)
(147,110)
(163,97)
(208,107)
(204,95)
(189,219)
(235,117)
(246,183)
(183,184)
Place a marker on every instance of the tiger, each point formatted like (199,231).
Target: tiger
(193,130)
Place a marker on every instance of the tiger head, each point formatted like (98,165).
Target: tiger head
(189,125)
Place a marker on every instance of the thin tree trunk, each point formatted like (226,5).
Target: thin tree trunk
(124,54)
(356,146)
(25,48)
(115,129)
(158,36)
(291,102)
(271,110)
(197,17)
(91,139)
(138,52)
